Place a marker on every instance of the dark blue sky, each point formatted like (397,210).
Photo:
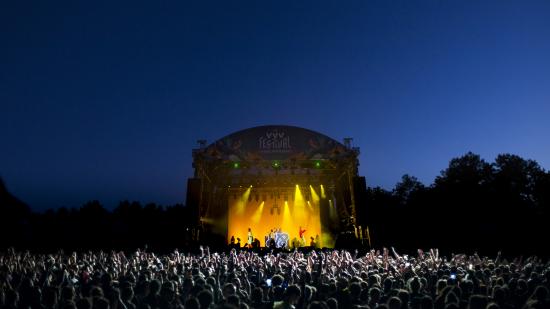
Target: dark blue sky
(106,100)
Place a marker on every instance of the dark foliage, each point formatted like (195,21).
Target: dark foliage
(129,225)
(473,205)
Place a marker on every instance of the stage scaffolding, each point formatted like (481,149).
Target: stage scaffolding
(293,158)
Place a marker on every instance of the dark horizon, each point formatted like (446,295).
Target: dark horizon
(105,101)
(144,203)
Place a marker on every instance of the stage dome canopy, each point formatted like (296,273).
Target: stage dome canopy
(275,142)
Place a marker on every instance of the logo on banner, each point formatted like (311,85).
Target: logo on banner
(274,142)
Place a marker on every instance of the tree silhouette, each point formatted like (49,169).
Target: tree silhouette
(473,205)
(407,188)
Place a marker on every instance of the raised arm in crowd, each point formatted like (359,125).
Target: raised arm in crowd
(245,279)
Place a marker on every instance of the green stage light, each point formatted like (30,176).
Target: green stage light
(276,164)
(317,164)
(236,165)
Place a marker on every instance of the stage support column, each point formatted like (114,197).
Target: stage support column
(351,176)
(194,199)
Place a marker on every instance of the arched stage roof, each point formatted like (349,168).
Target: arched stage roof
(276,142)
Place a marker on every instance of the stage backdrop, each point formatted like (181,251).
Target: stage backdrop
(264,215)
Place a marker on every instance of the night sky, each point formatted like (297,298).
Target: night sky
(106,100)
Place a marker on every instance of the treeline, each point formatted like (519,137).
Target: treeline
(473,205)
(130,225)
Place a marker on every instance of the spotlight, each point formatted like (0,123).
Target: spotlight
(236,165)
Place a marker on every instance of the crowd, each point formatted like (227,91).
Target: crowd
(292,279)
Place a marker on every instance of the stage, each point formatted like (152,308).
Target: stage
(275,178)
(266,210)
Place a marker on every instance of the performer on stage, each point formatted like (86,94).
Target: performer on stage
(281,239)
(302,236)
(250,238)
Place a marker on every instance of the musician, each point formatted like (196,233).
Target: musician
(302,236)
(250,238)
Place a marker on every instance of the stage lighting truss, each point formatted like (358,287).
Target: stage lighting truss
(275,209)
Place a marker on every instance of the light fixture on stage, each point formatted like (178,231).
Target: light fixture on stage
(317,164)
(236,165)
(276,164)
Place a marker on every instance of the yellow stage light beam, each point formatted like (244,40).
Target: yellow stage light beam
(241,204)
(207,220)
(287,223)
(314,195)
(258,213)
(323,195)
(246,193)
(309,206)
(298,197)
